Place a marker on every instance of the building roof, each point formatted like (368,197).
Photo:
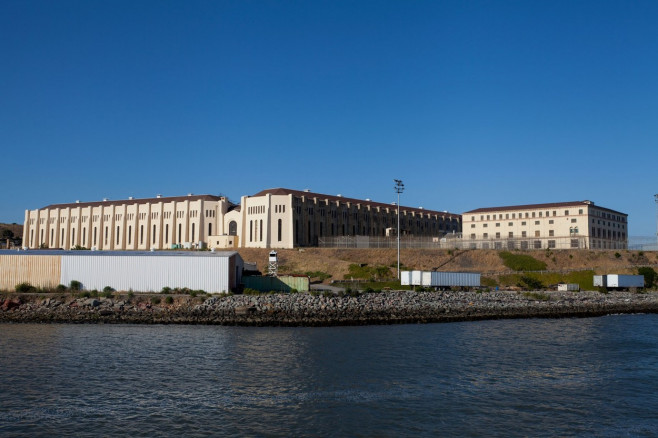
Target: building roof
(542,206)
(51,252)
(136,201)
(332,198)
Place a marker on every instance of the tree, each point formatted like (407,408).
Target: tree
(7,234)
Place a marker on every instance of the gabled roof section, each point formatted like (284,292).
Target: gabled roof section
(136,201)
(542,206)
(343,199)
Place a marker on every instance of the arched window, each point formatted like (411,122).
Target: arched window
(261,230)
(193,232)
(279,226)
(232,228)
(209,229)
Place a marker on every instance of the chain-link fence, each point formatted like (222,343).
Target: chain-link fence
(454,241)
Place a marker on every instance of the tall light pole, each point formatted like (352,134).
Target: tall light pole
(656,198)
(399,188)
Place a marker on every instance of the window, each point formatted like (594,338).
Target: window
(573,221)
(497,235)
(497,224)
(485,235)
(472,225)
(510,224)
(523,234)
(566,212)
(279,226)
(485,225)
(261,230)
(209,229)
(511,234)
(551,233)
(551,243)
(523,223)
(473,236)
(141,234)
(550,221)
(153,240)
(537,233)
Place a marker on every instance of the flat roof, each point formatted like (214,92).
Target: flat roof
(136,201)
(38,252)
(543,206)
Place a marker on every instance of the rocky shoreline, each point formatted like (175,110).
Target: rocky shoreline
(301,309)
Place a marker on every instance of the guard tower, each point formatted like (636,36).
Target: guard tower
(273,265)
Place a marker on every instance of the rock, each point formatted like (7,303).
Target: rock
(93,302)
(11,303)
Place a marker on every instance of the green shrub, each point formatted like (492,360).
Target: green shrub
(60,288)
(84,294)
(75,285)
(617,255)
(25,287)
(169,300)
(649,275)
(531,283)
(155,300)
(521,262)
(165,290)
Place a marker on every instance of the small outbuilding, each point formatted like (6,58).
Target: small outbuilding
(140,271)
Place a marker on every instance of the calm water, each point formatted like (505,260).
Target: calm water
(568,377)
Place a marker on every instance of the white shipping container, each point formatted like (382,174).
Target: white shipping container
(151,271)
(599,280)
(417,278)
(405,278)
(573,287)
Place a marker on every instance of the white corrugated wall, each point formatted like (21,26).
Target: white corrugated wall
(148,273)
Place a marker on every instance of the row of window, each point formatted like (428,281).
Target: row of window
(521,215)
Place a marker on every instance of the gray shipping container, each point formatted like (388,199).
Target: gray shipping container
(440,279)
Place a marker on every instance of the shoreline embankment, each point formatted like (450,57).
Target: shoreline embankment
(302,309)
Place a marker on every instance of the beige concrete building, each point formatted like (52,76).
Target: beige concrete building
(563,225)
(131,224)
(274,218)
(285,218)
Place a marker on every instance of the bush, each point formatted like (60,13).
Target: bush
(521,262)
(532,283)
(169,300)
(617,255)
(75,285)
(60,288)
(25,287)
(165,290)
(649,275)
(155,300)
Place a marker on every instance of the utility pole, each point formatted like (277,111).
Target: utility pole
(399,188)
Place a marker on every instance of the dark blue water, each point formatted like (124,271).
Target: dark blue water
(567,377)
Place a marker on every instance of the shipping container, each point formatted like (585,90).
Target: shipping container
(571,287)
(619,281)
(440,279)
(450,279)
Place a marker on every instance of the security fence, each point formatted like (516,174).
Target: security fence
(455,241)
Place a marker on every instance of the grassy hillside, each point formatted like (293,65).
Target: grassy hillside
(499,268)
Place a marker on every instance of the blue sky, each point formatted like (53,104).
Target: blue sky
(471,103)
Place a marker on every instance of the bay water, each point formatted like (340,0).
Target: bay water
(534,377)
